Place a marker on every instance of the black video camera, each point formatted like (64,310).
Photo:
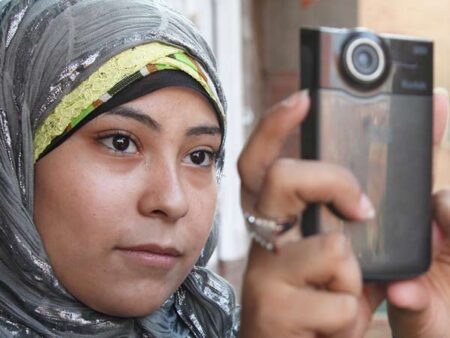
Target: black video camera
(371,112)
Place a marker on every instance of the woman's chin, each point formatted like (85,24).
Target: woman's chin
(128,302)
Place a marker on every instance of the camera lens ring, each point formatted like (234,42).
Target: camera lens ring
(353,71)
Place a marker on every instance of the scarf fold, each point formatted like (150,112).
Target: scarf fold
(48,49)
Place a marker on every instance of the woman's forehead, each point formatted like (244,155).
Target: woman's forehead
(172,103)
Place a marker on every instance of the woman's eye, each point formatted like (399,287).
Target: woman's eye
(120,143)
(202,158)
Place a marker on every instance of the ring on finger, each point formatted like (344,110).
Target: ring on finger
(265,231)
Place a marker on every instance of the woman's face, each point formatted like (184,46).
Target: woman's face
(125,205)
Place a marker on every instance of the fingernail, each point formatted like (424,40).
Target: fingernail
(366,209)
(445,140)
(295,98)
(441,90)
(304,93)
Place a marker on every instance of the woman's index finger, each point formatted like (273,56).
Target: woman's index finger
(267,140)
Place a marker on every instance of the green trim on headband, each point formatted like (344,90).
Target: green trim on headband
(112,77)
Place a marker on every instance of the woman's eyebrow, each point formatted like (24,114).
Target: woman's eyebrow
(134,114)
(204,129)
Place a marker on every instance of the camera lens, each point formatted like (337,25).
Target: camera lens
(364,60)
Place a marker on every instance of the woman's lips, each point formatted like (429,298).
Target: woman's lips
(152,255)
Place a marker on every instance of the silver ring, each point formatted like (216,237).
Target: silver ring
(265,231)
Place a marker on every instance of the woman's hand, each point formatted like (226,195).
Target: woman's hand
(420,308)
(310,287)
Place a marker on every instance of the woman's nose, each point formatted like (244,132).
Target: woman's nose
(164,195)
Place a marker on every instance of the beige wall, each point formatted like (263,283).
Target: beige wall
(430,19)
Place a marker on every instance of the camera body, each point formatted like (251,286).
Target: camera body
(371,112)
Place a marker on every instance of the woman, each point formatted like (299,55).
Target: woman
(96,193)
(112,124)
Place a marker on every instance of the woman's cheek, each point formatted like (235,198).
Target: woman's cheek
(202,218)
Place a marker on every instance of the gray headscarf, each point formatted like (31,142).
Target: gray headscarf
(47,48)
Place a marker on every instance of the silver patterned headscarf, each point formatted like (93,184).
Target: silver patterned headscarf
(48,48)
